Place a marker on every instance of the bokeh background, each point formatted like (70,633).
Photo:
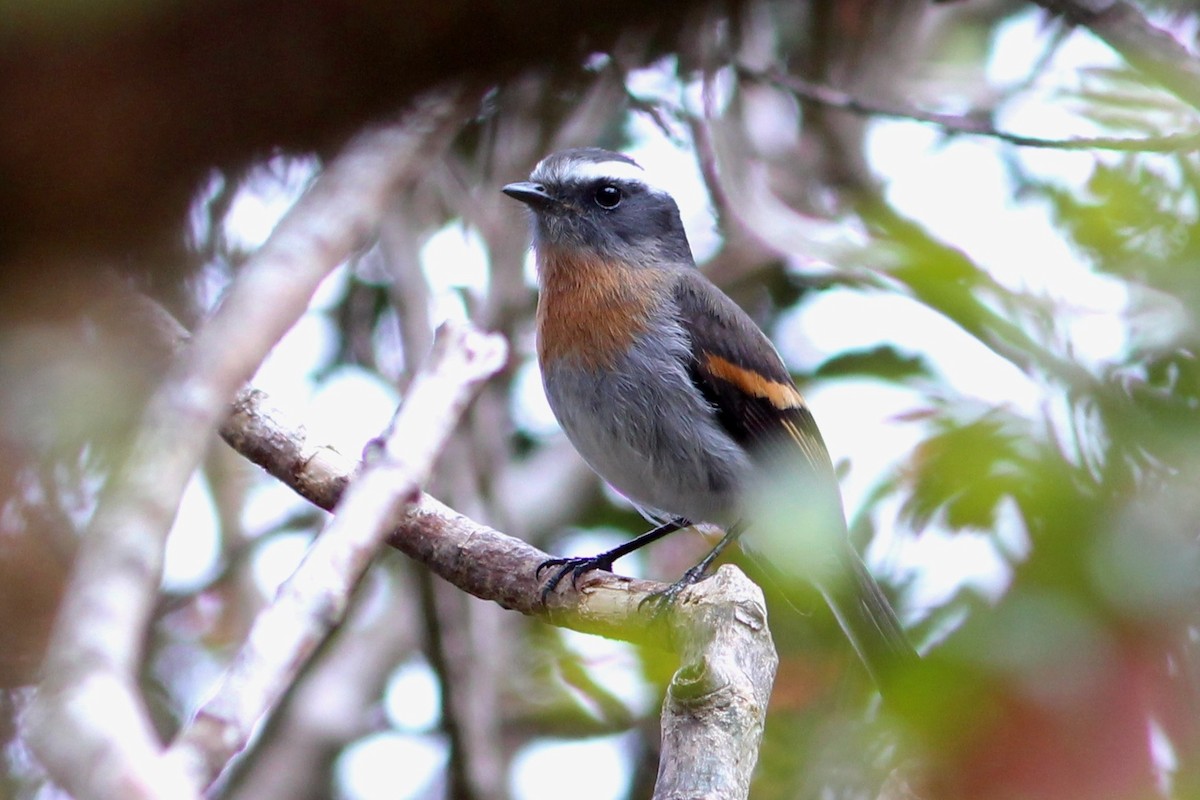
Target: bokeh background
(970,230)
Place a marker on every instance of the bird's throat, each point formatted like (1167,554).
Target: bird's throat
(591,311)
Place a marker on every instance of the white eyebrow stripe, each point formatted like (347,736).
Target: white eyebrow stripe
(585,171)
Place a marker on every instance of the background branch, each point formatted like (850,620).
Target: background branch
(315,597)
(95,652)
(1148,48)
(335,701)
(969,125)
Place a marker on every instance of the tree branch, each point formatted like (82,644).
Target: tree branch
(1147,48)
(334,703)
(90,676)
(719,624)
(717,700)
(474,557)
(977,125)
(314,599)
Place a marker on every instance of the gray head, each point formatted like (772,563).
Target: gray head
(603,203)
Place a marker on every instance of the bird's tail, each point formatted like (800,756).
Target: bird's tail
(866,616)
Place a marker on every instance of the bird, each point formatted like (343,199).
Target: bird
(671,393)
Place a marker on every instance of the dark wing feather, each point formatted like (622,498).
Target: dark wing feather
(739,372)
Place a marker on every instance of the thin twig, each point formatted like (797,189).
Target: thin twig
(458,771)
(706,154)
(1054,42)
(968,125)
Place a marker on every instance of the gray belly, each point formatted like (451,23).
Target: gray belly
(648,431)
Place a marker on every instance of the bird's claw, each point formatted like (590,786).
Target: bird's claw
(575,566)
(665,598)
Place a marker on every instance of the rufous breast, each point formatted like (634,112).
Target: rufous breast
(589,310)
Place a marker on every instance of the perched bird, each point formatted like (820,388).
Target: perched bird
(668,389)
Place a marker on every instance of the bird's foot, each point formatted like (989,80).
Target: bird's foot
(661,600)
(575,566)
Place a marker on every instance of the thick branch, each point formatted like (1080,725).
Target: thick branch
(314,599)
(93,660)
(720,623)
(474,557)
(717,701)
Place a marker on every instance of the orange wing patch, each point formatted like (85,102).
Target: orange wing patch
(780,395)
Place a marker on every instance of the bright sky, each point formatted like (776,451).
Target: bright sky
(959,190)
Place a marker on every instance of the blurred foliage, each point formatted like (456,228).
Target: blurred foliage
(1057,685)
(1050,692)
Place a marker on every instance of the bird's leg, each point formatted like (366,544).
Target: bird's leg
(578,565)
(697,573)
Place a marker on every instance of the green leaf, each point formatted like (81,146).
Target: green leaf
(884,362)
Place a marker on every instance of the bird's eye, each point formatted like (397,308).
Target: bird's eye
(607,196)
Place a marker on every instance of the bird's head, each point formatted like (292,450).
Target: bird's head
(594,203)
